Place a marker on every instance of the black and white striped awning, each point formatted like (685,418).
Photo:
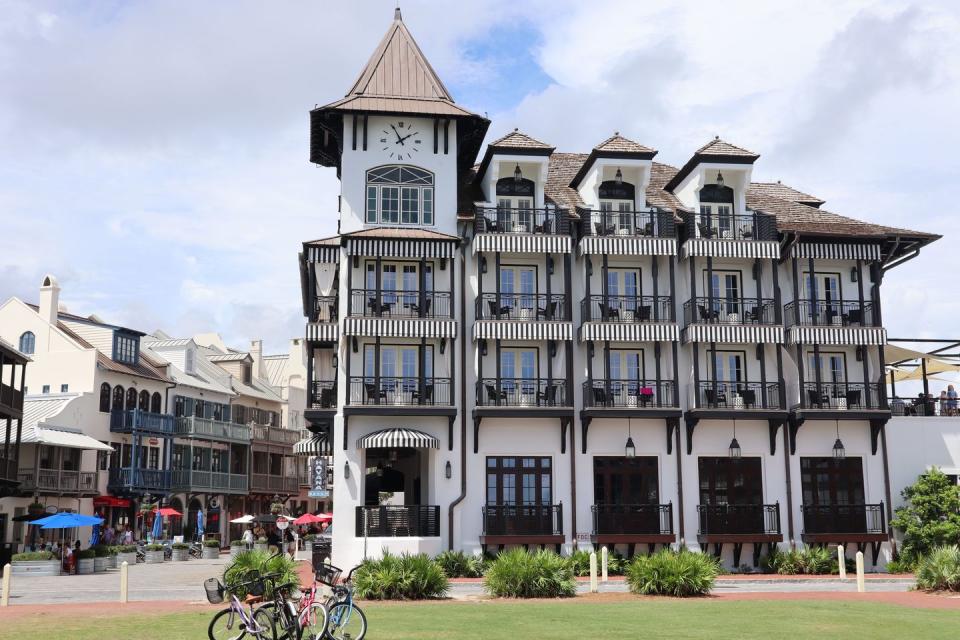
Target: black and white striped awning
(323,332)
(401,248)
(522,243)
(628,246)
(831,251)
(714,248)
(629,332)
(394,438)
(311,446)
(736,333)
(400,327)
(837,335)
(323,253)
(521,330)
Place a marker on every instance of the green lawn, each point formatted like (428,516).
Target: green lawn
(555,620)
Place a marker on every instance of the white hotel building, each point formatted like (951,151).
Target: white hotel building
(560,349)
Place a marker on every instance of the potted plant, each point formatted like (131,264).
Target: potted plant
(35,563)
(102,557)
(154,554)
(237,547)
(181,551)
(85,560)
(260,544)
(112,551)
(211,549)
(126,553)
(36,509)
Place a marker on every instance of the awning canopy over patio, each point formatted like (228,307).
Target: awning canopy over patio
(310,446)
(397,438)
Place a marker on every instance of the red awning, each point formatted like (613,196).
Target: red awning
(110,501)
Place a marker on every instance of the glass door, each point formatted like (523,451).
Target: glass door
(623,289)
(626,376)
(518,371)
(727,292)
(824,288)
(518,292)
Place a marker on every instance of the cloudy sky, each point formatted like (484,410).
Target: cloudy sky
(153,155)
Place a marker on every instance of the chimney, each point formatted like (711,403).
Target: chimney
(49,299)
(256,352)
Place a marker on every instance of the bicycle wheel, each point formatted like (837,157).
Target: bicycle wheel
(346,622)
(227,625)
(314,623)
(284,627)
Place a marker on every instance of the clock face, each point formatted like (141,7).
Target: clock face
(402,139)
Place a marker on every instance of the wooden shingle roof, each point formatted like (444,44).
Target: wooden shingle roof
(516,139)
(618,144)
(779,190)
(718,147)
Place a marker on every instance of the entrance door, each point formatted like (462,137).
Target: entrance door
(825,289)
(626,375)
(519,495)
(727,292)
(623,289)
(833,495)
(731,495)
(518,375)
(626,495)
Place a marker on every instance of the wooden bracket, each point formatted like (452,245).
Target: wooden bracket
(672,425)
(691,425)
(876,428)
(476,433)
(584,427)
(774,426)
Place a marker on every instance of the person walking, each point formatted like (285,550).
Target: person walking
(248,538)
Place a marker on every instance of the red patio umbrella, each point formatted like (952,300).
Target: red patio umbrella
(309,518)
(167,512)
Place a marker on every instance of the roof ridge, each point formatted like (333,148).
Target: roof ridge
(516,133)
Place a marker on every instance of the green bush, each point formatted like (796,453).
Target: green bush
(403,577)
(102,550)
(33,556)
(579,562)
(670,573)
(236,543)
(519,574)
(180,545)
(211,543)
(807,561)
(940,570)
(154,547)
(931,516)
(264,562)
(126,548)
(86,554)
(310,537)
(900,566)
(457,564)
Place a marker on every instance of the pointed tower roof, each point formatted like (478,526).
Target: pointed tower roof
(716,151)
(617,144)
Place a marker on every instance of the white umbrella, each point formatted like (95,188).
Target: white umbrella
(242,520)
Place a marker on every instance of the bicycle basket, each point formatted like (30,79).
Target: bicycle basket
(328,574)
(214,590)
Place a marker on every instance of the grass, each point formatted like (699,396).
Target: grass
(567,620)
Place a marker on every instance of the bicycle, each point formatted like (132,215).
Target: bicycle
(235,622)
(345,620)
(281,608)
(196,550)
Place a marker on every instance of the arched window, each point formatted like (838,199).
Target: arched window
(716,193)
(131,399)
(28,343)
(118,398)
(156,403)
(105,397)
(399,194)
(144,400)
(716,212)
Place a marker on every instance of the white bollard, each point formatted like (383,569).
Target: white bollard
(7,576)
(603,564)
(593,572)
(861,586)
(124,582)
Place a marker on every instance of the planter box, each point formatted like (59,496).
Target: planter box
(112,562)
(36,567)
(154,557)
(259,547)
(102,564)
(211,553)
(85,565)
(179,555)
(129,558)
(236,550)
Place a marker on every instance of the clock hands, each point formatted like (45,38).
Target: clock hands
(399,139)
(408,135)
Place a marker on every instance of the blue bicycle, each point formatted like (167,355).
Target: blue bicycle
(345,620)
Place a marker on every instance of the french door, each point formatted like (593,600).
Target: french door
(519,495)
(720,218)
(728,366)
(518,289)
(726,289)
(516,214)
(627,372)
(625,283)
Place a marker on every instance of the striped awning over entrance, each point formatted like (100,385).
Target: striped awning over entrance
(629,332)
(400,248)
(311,446)
(396,437)
(837,335)
(522,330)
(831,251)
(749,249)
(735,333)
(400,327)
(323,332)
(522,243)
(628,246)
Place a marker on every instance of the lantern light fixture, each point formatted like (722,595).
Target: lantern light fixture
(630,451)
(839,452)
(618,176)
(448,470)
(735,451)
(517,174)
(719,179)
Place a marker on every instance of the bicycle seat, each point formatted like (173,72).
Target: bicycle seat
(252,599)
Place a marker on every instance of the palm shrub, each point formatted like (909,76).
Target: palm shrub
(238,570)
(518,573)
(670,573)
(457,564)
(403,577)
(807,561)
(580,563)
(931,516)
(940,569)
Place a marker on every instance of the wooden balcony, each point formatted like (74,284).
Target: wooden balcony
(845,523)
(135,420)
(205,481)
(209,429)
(267,483)
(57,482)
(262,434)
(127,480)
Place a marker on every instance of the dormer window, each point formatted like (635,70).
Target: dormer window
(247,373)
(399,195)
(190,361)
(126,348)
(716,213)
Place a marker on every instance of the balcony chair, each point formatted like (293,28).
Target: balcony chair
(546,227)
(549,311)
(491,224)
(648,229)
(504,310)
(707,316)
(427,394)
(645,395)
(753,315)
(415,307)
(746,233)
(548,397)
(327,398)
(493,395)
(643,313)
(853,316)
(715,399)
(373,394)
(613,312)
(749,397)
(853,398)
(705,231)
(600,397)
(817,401)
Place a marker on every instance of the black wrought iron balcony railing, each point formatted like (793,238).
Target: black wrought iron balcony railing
(717,394)
(741,226)
(522,306)
(828,313)
(653,224)
(844,518)
(523,520)
(600,308)
(323,394)
(407,521)
(325,309)
(397,390)
(127,420)
(729,310)
(205,480)
(628,394)
(638,519)
(521,220)
(57,481)
(739,519)
(522,392)
(388,303)
(855,396)
(138,479)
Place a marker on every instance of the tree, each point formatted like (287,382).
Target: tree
(930,517)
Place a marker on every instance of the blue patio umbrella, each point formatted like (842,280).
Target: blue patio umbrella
(200,524)
(64,520)
(95,535)
(157,526)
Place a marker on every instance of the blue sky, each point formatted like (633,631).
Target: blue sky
(155,153)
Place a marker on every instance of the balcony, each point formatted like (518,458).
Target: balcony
(729,311)
(632,523)
(627,309)
(400,391)
(209,429)
(138,480)
(842,396)
(411,521)
(11,399)
(323,394)
(8,470)
(522,306)
(851,522)
(267,483)
(200,480)
(274,435)
(522,392)
(373,303)
(648,224)
(828,313)
(751,522)
(516,220)
(325,309)
(738,396)
(740,226)
(522,524)
(135,420)
(628,394)
(57,481)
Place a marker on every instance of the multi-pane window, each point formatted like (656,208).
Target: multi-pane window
(399,195)
(829,481)
(126,348)
(154,458)
(519,480)
(725,480)
(28,343)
